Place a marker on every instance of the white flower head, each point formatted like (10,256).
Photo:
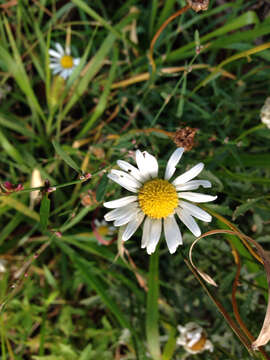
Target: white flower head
(193,338)
(3,263)
(265,113)
(61,62)
(103,228)
(156,201)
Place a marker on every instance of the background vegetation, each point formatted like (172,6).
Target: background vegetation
(67,293)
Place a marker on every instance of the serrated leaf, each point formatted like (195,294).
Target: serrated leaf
(241,209)
(86,352)
(65,156)
(44,211)
(207,174)
(101,189)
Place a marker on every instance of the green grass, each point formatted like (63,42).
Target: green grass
(74,298)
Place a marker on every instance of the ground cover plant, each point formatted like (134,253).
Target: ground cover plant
(86,84)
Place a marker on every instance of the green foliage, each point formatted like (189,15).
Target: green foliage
(69,292)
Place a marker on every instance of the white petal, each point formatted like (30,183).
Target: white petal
(151,164)
(122,182)
(188,220)
(188,175)
(127,217)
(143,164)
(196,197)
(193,185)
(69,72)
(56,70)
(132,226)
(55,65)
(172,234)
(155,232)
(54,53)
(126,177)
(132,170)
(120,212)
(195,211)
(172,163)
(120,202)
(64,74)
(76,61)
(146,232)
(59,48)
(97,222)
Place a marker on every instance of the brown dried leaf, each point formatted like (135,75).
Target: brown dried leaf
(198,5)
(205,276)
(264,335)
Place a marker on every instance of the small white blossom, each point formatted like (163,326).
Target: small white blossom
(103,228)
(265,113)
(193,338)
(3,263)
(61,62)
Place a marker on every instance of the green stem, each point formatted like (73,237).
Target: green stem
(152,331)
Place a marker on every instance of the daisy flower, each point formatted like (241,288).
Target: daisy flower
(61,62)
(156,201)
(265,113)
(103,228)
(193,338)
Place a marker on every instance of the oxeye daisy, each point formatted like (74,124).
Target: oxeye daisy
(103,228)
(194,339)
(61,62)
(156,201)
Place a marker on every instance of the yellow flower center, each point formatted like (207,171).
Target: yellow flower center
(66,62)
(103,230)
(158,198)
(199,345)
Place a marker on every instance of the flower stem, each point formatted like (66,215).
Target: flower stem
(152,330)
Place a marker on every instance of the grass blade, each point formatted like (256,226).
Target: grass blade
(65,156)
(152,332)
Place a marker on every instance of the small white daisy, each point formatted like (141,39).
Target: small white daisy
(193,338)
(157,200)
(3,263)
(265,113)
(103,228)
(61,62)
